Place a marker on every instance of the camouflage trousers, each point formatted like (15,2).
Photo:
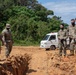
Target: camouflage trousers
(8,48)
(72,46)
(62,47)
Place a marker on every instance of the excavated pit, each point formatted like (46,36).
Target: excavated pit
(15,65)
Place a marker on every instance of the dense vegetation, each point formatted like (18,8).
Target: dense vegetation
(29,20)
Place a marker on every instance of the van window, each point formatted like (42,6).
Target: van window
(46,37)
(52,37)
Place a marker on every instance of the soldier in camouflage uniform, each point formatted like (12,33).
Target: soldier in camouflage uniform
(72,36)
(7,39)
(62,36)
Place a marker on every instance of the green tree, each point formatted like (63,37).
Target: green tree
(29,20)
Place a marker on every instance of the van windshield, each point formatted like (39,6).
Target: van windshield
(46,37)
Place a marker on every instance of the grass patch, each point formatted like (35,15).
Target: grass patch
(26,43)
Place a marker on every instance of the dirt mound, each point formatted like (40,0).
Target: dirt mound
(42,62)
(61,65)
(15,65)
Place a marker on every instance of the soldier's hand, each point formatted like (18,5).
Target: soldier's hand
(59,39)
(5,44)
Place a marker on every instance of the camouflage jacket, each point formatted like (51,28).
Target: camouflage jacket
(62,34)
(7,36)
(71,31)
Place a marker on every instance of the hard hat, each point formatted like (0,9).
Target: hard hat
(7,25)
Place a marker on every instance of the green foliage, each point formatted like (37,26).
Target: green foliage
(29,20)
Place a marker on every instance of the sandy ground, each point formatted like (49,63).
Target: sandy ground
(45,62)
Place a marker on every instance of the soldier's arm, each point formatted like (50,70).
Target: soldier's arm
(11,37)
(66,34)
(75,32)
(0,42)
(67,31)
(58,35)
(12,40)
(3,37)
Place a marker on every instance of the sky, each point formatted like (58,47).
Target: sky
(66,9)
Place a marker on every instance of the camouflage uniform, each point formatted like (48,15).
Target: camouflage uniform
(72,36)
(62,35)
(1,42)
(7,39)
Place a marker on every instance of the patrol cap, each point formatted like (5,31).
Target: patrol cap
(62,24)
(7,25)
(72,19)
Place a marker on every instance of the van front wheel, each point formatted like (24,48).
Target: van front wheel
(52,47)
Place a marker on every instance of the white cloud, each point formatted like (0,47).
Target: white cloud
(61,7)
(66,10)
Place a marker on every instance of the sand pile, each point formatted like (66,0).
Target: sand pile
(15,65)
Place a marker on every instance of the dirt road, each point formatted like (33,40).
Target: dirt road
(45,62)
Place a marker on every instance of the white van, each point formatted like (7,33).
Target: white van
(50,41)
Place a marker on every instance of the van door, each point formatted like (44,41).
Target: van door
(53,40)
